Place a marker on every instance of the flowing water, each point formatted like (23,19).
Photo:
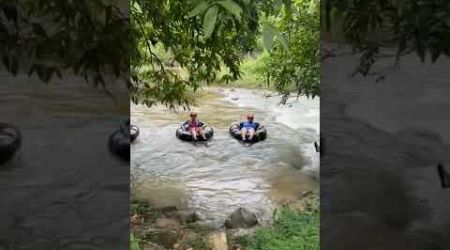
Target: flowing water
(63,171)
(217,179)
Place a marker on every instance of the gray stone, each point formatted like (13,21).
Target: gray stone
(241,218)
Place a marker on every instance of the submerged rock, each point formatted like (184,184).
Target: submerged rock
(241,218)
(10,142)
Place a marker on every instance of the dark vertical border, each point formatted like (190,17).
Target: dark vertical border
(383,138)
(61,187)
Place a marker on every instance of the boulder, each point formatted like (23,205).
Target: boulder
(234,97)
(241,218)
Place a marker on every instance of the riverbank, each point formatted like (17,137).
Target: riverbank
(295,226)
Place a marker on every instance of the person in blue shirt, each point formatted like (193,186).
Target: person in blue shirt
(248,127)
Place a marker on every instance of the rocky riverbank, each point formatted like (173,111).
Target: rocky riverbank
(172,228)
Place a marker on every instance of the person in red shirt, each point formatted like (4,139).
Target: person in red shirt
(194,126)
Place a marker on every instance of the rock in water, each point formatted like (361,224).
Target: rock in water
(10,142)
(444,175)
(241,218)
(234,97)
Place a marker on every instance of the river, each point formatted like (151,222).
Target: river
(215,180)
(58,190)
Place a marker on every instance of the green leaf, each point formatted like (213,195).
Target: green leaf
(288,7)
(269,33)
(209,21)
(200,8)
(232,7)
(277,6)
(282,39)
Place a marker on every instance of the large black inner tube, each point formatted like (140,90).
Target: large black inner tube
(10,142)
(134,132)
(260,133)
(119,144)
(185,135)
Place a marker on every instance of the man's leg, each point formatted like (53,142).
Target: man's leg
(251,132)
(243,133)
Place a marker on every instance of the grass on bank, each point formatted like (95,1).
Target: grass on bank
(134,242)
(291,229)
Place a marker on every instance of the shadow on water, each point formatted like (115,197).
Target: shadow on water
(217,179)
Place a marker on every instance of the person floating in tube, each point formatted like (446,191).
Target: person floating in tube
(194,126)
(248,127)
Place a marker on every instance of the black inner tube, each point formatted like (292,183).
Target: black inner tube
(10,141)
(185,135)
(260,133)
(119,145)
(134,132)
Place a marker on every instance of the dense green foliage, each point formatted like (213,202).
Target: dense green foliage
(203,37)
(296,67)
(95,37)
(45,37)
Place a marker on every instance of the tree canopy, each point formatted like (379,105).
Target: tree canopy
(45,38)
(96,37)
(204,35)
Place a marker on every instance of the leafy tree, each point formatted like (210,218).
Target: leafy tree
(90,37)
(294,59)
(94,38)
(201,35)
